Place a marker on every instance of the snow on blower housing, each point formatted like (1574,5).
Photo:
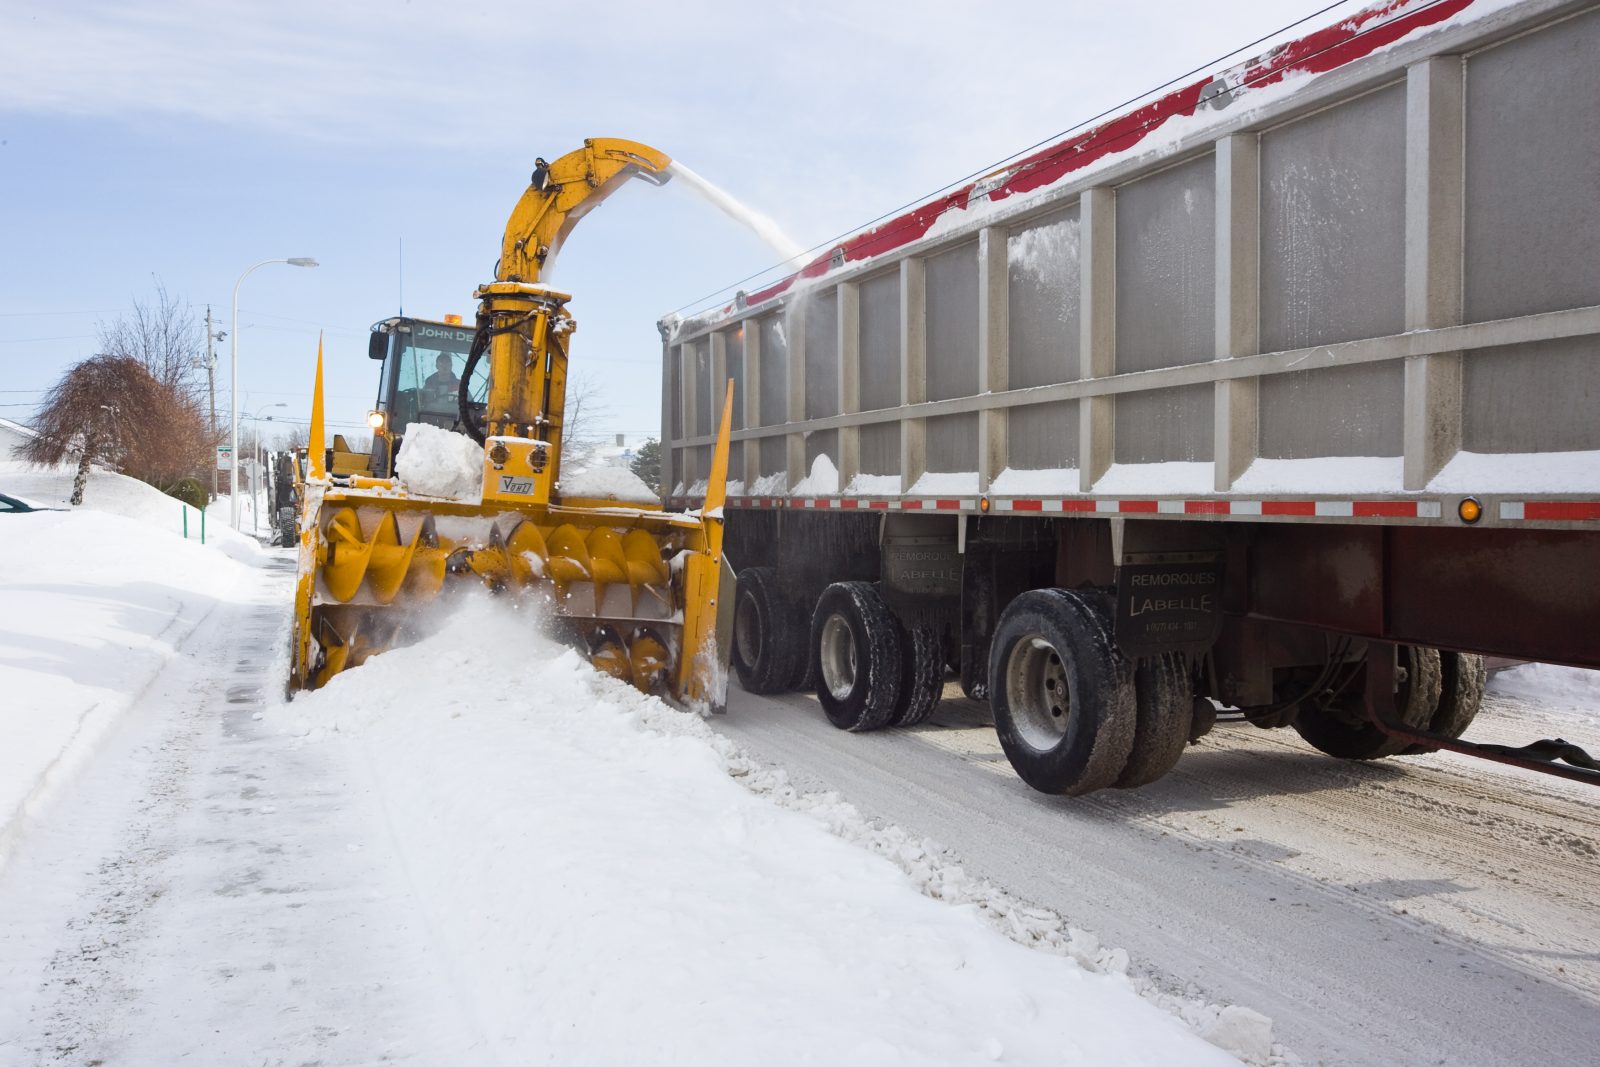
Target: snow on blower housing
(636,586)
(1274,395)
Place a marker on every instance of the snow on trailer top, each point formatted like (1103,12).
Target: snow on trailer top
(1156,125)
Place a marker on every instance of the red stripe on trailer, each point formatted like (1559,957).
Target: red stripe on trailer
(878,505)
(947,505)
(1347,40)
(1386,509)
(1561,510)
(911,505)
(1027,505)
(1288,507)
(1077,505)
(1207,507)
(1138,507)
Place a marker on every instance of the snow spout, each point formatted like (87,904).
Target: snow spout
(761,225)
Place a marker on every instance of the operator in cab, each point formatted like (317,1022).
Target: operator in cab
(439,389)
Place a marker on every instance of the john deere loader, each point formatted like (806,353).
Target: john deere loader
(637,588)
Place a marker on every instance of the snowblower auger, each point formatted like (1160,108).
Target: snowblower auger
(636,587)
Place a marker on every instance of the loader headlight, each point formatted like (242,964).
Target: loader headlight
(376,419)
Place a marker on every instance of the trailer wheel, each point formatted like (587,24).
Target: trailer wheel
(921,674)
(766,643)
(1164,703)
(1462,678)
(1342,730)
(855,642)
(1063,697)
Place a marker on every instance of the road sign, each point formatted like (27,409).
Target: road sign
(224,457)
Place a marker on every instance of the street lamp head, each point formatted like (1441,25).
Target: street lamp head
(302,261)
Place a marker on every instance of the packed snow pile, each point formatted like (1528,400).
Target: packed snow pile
(586,853)
(438,462)
(95,605)
(608,483)
(822,481)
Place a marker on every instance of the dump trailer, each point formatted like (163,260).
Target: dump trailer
(1276,397)
(634,586)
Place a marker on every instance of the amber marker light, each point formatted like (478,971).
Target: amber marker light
(983,504)
(452,320)
(1469,510)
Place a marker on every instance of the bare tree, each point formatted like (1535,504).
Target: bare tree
(584,408)
(291,440)
(165,336)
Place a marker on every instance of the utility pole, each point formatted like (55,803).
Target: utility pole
(211,387)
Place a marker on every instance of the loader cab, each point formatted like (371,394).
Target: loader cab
(422,365)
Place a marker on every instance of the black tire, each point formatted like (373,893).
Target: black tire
(1164,705)
(766,643)
(1062,695)
(921,675)
(1462,679)
(1343,730)
(855,643)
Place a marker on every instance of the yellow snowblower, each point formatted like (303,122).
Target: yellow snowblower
(636,587)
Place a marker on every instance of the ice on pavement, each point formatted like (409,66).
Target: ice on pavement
(588,854)
(438,462)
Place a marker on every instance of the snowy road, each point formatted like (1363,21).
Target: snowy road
(199,894)
(1427,910)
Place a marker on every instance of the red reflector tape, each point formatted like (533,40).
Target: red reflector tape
(1387,509)
(1561,510)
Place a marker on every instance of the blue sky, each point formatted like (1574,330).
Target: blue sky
(182,144)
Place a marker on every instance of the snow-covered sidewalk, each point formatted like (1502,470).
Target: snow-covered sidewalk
(208,892)
(96,601)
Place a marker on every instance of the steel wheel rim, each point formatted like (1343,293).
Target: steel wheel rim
(747,630)
(1037,693)
(838,656)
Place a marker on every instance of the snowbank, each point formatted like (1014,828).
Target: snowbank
(437,462)
(1546,683)
(117,494)
(95,605)
(608,483)
(587,854)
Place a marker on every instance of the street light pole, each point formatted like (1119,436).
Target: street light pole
(233,402)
